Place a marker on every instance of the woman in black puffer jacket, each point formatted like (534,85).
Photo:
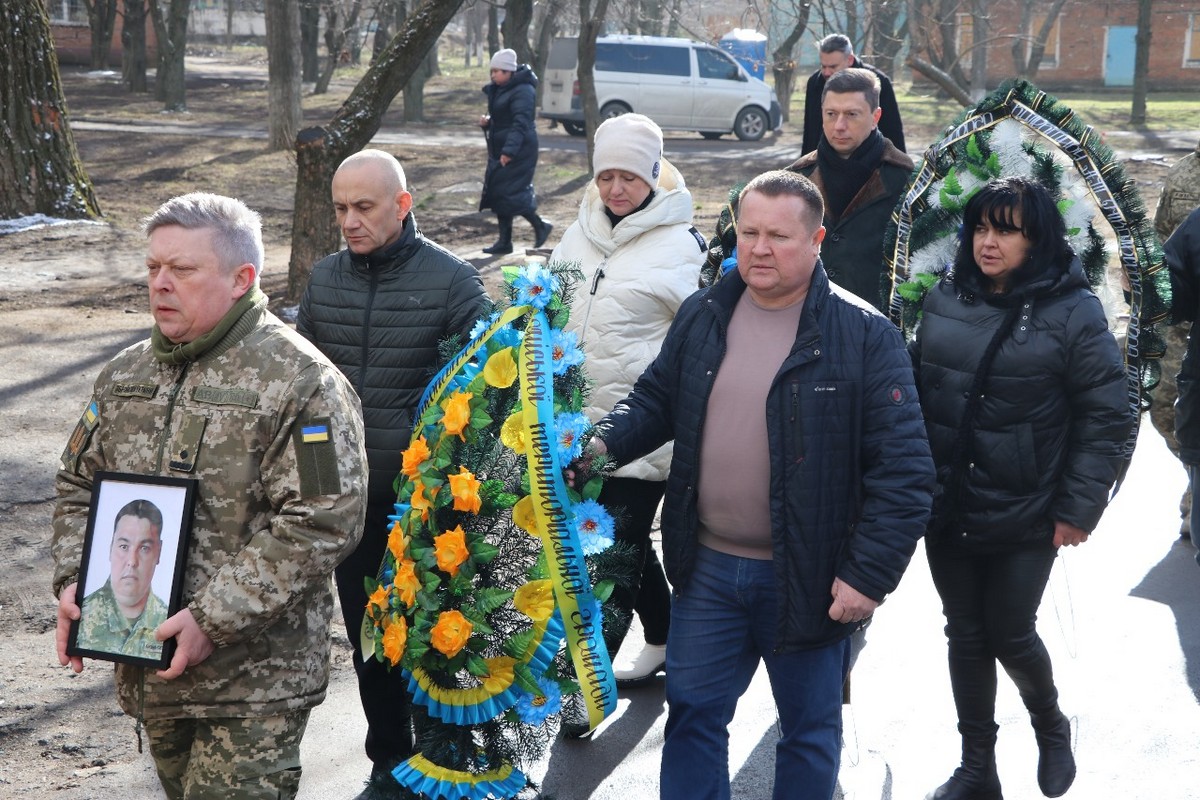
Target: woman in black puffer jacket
(512,150)
(1024,397)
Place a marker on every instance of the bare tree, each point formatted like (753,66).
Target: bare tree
(319,150)
(170,30)
(1141,65)
(1029,46)
(133,46)
(40,170)
(341,19)
(783,63)
(283,72)
(884,34)
(102,19)
(591,20)
(980,29)
(310,39)
(518,16)
(937,58)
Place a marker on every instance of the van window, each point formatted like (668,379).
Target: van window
(563,54)
(715,65)
(645,59)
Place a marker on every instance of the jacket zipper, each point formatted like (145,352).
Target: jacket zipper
(366,334)
(583,328)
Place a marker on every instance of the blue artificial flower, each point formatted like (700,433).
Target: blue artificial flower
(483,324)
(570,427)
(463,379)
(508,336)
(594,525)
(730,263)
(532,709)
(535,287)
(565,347)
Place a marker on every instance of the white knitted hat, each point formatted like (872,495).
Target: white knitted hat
(631,143)
(505,59)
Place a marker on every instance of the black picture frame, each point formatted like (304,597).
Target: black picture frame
(121,514)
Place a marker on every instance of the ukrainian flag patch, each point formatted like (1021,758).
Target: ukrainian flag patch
(91,414)
(311,434)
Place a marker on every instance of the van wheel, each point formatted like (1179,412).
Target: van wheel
(711,134)
(574,128)
(614,109)
(751,124)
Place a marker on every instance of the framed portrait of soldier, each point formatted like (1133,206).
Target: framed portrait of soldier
(131,577)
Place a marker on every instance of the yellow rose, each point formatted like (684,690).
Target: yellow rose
(451,633)
(451,550)
(456,413)
(414,456)
(395,637)
(523,516)
(465,489)
(501,369)
(512,433)
(378,597)
(535,600)
(406,582)
(419,501)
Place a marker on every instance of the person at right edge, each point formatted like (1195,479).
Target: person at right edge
(1181,254)
(512,150)
(1024,398)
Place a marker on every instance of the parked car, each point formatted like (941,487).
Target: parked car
(680,84)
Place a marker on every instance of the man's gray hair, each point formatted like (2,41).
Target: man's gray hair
(853,80)
(237,231)
(836,43)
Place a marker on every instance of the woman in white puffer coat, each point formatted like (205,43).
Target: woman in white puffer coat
(640,258)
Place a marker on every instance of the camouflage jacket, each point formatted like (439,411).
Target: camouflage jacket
(104,627)
(273,433)
(1180,194)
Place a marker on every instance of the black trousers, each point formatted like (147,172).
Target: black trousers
(383,693)
(990,601)
(636,502)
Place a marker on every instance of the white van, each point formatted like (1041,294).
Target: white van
(680,84)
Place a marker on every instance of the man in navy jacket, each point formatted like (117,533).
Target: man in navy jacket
(800,485)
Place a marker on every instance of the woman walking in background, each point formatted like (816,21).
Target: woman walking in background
(512,150)
(640,257)
(1024,398)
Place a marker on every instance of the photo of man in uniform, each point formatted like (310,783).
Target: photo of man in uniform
(120,616)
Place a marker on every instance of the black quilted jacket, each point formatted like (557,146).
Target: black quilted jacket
(851,475)
(380,318)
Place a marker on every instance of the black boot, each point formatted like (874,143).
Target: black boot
(503,245)
(976,778)
(1056,762)
(541,228)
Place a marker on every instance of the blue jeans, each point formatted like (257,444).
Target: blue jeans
(1194,519)
(722,625)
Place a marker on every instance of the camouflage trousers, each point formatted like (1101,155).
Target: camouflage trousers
(228,758)
(1162,412)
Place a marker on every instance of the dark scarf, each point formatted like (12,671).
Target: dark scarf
(843,178)
(614,219)
(216,341)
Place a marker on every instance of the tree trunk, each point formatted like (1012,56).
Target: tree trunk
(133,46)
(310,40)
(676,11)
(414,90)
(546,28)
(171,32)
(979,50)
(283,73)
(40,170)
(783,66)
(228,24)
(944,80)
(1141,65)
(886,37)
(518,14)
(102,19)
(320,150)
(591,20)
(493,30)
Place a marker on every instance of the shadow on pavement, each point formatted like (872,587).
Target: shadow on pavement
(1175,582)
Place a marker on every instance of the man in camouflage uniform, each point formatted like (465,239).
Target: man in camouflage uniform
(1180,194)
(120,616)
(224,393)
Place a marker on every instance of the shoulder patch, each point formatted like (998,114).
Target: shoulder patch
(316,458)
(80,437)
(896,394)
(699,239)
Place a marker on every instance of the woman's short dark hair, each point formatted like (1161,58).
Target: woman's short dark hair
(1041,222)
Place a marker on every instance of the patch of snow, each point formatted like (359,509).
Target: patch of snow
(35,221)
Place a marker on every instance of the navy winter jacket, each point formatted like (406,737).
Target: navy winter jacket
(508,190)
(851,474)
(380,318)
(1181,254)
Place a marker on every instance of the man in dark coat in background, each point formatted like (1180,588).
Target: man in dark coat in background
(379,310)
(512,150)
(1181,254)
(837,54)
